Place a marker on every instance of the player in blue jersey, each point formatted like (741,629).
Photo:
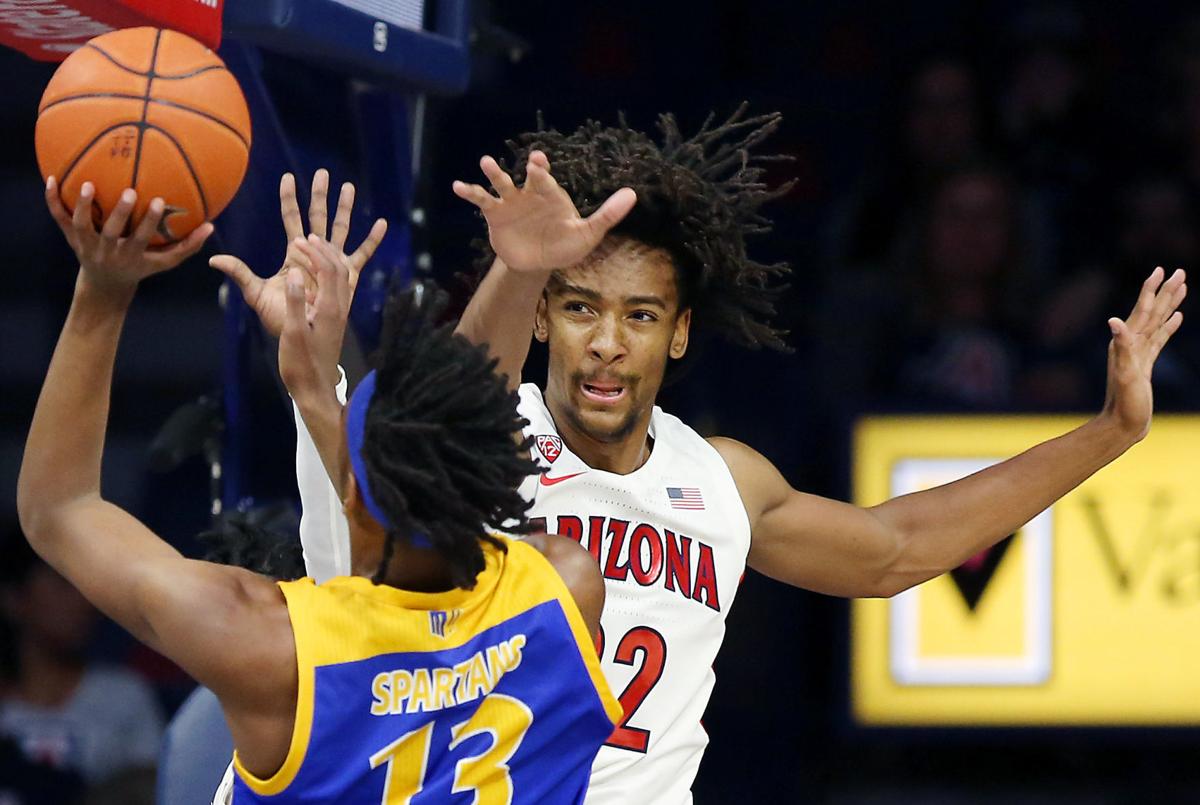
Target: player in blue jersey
(453,661)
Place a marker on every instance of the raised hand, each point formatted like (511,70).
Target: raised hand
(1135,346)
(314,322)
(267,296)
(536,227)
(110,259)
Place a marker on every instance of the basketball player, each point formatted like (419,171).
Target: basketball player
(448,662)
(672,518)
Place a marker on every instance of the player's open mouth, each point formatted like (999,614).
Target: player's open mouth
(603,393)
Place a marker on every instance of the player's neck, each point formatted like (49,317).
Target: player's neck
(620,456)
(415,569)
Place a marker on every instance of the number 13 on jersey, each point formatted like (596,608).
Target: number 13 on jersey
(504,719)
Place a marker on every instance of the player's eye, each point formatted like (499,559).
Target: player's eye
(576,307)
(643,315)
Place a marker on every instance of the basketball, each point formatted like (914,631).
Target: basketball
(150,109)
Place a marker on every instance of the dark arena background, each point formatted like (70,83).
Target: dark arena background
(1034,159)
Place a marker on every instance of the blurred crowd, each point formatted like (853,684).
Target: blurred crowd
(1009,211)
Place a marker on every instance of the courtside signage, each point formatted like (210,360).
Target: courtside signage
(1087,616)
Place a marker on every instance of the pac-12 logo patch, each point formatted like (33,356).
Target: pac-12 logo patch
(550,447)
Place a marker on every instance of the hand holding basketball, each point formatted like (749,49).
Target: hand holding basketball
(109,259)
(1136,344)
(536,227)
(268,296)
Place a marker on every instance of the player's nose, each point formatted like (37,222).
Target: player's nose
(605,342)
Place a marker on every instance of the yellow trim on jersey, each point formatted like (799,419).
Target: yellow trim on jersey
(301,729)
(584,642)
(329,635)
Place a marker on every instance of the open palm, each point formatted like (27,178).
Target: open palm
(1136,344)
(267,296)
(536,227)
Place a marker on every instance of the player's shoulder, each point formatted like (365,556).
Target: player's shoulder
(568,558)
(574,565)
(759,482)
(738,455)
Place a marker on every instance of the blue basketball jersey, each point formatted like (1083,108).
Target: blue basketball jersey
(489,695)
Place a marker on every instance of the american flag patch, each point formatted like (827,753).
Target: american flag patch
(685,497)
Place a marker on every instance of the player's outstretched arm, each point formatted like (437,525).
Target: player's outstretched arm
(840,549)
(534,229)
(194,612)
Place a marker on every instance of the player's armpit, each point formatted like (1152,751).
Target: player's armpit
(808,541)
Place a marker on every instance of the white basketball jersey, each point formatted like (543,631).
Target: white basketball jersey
(671,539)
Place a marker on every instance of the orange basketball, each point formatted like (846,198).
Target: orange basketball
(149,109)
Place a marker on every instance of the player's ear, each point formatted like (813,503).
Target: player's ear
(541,330)
(679,339)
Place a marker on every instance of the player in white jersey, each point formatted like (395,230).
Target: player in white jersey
(671,518)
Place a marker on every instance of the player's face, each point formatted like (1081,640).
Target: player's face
(611,323)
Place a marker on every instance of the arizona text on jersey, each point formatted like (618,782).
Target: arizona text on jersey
(671,539)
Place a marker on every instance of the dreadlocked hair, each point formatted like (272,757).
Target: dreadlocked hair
(438,445)
(698,199)
(239,539)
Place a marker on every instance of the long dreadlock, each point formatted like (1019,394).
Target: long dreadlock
(438,446)
(699,198)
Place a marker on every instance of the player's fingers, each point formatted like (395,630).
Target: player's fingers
(333,286)
(239,272)
(318,211)
(118,219)
(148,225)
(341,220)
(540,180)
(502,183)
(1162,307)
(174,255)
(612,211)
(1121,341)
(294,319)
(1145,301)
(1171,296)
(289,208)
(1164,333)
(540,159)
(81,220)
(475,194)
(330,254)
(295,257)
(363,254)
(54,203)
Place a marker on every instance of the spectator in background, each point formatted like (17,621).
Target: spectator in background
(1154,224)
(1052,131)
(59,710)
(941,125)
(942,329)
(1179,122)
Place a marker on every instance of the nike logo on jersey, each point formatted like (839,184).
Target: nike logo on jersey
(545,480)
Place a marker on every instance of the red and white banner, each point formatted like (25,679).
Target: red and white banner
(50,30)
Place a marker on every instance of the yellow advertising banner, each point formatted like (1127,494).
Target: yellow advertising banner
(1089,615)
